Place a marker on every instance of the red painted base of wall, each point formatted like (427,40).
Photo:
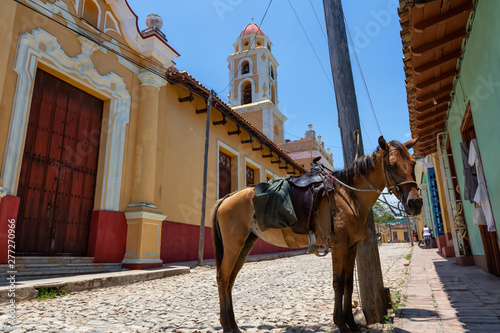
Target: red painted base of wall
(448,251)
(441,243)
(9,206)
(141,266)
(108,236)
(179,242)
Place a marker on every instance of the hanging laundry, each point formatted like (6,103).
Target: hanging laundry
(470,174)
(481,197)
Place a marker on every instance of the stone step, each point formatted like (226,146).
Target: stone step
(48,260)
(28,267)
(61,265)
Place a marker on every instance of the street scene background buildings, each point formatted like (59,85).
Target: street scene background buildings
(102,133)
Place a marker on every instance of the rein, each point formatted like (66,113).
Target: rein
(396,185)
(393,189)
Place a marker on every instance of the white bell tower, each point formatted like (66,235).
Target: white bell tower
(253,77)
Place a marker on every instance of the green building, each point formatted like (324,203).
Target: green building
(452,66)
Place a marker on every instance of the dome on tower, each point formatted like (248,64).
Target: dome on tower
(252,28)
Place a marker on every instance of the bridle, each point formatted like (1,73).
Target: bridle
(396,188)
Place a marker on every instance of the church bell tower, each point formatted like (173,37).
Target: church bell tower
(253,88)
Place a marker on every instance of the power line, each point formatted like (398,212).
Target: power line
(241,62)
(328,78)
(362,75)
(310,43)
(317,19)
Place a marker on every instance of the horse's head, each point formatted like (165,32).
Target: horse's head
(399,173)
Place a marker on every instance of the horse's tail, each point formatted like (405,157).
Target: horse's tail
(216,235)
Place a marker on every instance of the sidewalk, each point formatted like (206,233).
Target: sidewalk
(445,297)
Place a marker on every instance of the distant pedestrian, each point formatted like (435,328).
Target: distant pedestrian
(427,236)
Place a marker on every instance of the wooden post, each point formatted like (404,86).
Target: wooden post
(371,284)
(205,171)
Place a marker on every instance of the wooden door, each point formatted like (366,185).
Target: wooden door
(250,175)
(224,174)
(59,168)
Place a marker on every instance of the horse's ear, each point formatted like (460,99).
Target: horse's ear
(411,143)
(382,143)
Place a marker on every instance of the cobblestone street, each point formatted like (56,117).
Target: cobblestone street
(292,294)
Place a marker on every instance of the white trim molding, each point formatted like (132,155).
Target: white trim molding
(270,173)
(81,69)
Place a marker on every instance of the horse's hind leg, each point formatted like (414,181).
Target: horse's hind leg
(249,243)
(224,273)
(349,275)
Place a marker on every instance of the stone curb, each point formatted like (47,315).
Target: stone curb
(26,290)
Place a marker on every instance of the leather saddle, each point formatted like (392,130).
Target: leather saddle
(307,192)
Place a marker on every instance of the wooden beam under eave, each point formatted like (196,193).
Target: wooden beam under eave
(431,105)
(428,136)
(435,80)
(435,94)
(424,148)
(460,10)
(426,144)
(453,56)
(422,118)
(424,152)
(460,34)
(436,123)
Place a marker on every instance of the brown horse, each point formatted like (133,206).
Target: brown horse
(235,229)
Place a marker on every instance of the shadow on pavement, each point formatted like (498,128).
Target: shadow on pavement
(473,294)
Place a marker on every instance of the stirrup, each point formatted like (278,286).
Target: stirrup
(313,248)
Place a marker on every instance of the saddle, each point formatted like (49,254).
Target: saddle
(292,204)
(307,192)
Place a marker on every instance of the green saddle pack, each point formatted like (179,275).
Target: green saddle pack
(273,204)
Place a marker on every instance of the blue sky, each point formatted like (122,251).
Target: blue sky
(203,32)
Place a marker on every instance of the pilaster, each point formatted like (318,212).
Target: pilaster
(146,141)
(143,240)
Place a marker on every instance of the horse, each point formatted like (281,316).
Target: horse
(356,190)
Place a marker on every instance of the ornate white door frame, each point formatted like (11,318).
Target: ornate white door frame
(81,69)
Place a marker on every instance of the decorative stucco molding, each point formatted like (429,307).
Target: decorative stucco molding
(149,47)
(80,68)
(148,78)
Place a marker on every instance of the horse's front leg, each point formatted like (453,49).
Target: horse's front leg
(339,258)
(349,275)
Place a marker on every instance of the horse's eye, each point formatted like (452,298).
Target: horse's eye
(391,167)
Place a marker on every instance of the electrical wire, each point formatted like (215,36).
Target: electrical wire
(251,43)
(328,78)
(362,75)
(310,43)
(317,20)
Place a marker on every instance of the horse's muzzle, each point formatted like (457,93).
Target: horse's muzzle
(414,206)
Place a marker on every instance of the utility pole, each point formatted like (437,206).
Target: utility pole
(205,171)
(371,284)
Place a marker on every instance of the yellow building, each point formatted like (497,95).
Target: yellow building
(306,149)
(102,139)
(393,233)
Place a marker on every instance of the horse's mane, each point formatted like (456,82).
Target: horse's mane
(364,164)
